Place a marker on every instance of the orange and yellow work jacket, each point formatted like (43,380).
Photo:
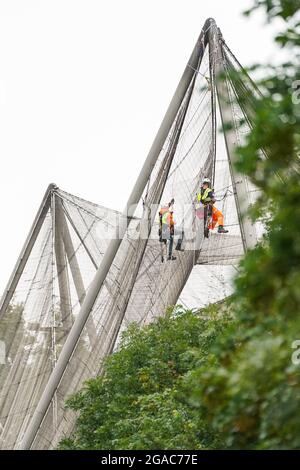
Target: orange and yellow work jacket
(168,219)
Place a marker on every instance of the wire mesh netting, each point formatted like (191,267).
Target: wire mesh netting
(69,248)
(60,268)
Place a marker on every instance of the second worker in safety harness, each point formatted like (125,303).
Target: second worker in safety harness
(167,230)
(207,198)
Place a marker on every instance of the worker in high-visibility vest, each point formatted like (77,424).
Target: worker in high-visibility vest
(207,198)
(167,230)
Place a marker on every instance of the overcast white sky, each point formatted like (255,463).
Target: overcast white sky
(84,85)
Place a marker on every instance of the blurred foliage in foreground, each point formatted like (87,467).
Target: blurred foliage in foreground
(194,380)
(223,378)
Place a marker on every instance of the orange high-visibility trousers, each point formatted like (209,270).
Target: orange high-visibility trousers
(217,218)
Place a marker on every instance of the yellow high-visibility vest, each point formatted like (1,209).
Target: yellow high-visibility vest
(204,197)
(167,219)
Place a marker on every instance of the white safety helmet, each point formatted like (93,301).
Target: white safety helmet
(206,181)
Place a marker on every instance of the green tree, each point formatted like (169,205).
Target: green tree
(138,403)
(12,328)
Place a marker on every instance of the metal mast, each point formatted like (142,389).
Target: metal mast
(239,181)
(26,250)
(89,301)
